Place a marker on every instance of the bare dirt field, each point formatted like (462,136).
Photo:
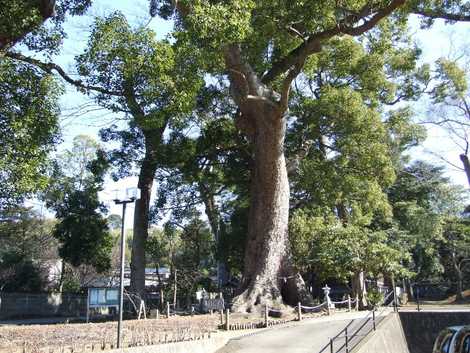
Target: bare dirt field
(101,336)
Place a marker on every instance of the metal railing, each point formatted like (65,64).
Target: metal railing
(353,333)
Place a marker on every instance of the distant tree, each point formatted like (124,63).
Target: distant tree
(449,107)
(73,194)
(422,198)
(153,83)
(455,250)
(114,221)
(27,250)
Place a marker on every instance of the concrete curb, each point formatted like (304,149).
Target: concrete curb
(208,345)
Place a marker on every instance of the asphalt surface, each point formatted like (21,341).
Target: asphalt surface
(309,336)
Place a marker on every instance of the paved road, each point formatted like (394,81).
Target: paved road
(308,336)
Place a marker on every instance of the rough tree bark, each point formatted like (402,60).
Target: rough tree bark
(141,211)
(268,272)
(141,224)
(359,289)
(466,166)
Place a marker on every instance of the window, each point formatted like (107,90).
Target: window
(112,296)
(102,296)
(93,296)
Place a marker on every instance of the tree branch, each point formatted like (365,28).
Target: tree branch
(435,14)
(313,43)
(51,67)
(286,86)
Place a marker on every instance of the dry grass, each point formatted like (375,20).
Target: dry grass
(100,336)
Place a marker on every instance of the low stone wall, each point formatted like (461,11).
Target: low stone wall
(23,305)
(388,338)
(422,328)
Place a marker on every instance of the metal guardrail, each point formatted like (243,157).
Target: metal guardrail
(355,331)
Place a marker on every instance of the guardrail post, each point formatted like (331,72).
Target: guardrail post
(349,303)
(168,310)
(346,338)
(373,318)
(158,314)
(331,345)
(266,316)
(299,311)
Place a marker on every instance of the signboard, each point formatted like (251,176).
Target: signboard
(103,297)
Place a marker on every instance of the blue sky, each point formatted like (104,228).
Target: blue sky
(435,42)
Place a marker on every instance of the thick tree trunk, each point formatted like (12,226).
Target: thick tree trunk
(141,221)
(466,166)
(267,267)
(268,272)
(359,289)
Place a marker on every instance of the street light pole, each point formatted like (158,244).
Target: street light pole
(121,274)
(134,196)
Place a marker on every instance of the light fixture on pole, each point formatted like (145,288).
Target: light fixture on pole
(131,195)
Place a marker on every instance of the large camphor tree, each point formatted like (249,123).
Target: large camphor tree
(262,47)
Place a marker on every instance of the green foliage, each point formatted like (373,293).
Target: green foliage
(374,297)
(452,82)
(82,229)
(231,248)
(23,21)
(188,250)
(20,274)
(141,70)
(333,250)
(454,248)
(28,129)
(403,134)
(114,221)
(27,11)
(422,198)
(26,246)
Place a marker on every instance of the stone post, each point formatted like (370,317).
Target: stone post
(227,319)
(266,316)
